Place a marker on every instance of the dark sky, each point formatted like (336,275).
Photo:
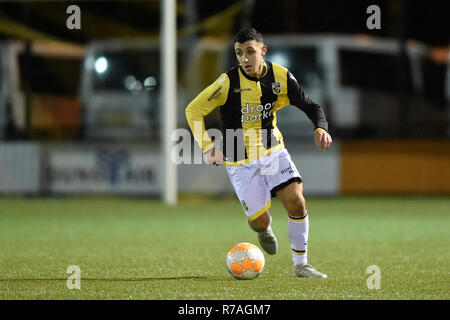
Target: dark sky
(427,21)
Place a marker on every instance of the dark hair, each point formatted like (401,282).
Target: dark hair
(248,34)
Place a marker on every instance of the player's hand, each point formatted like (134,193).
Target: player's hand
(322,139)
(215,157)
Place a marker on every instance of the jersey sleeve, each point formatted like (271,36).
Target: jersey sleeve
(215,95)
(297,97)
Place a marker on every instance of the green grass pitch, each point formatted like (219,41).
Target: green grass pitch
(142,249)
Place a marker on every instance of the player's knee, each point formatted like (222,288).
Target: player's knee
(297,206)
(261,223)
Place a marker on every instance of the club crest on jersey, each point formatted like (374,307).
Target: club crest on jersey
(276,87)
(244,206)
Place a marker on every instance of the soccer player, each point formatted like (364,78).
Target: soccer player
(251,146)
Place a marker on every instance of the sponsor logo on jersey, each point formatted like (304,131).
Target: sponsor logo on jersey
(288,169)
(276,87)
(257,113)
(215,94)
(238,90)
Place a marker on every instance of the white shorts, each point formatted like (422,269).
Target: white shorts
(257,182)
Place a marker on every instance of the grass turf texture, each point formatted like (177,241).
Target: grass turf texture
(142,249)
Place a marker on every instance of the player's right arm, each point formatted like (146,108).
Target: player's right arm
(215,95)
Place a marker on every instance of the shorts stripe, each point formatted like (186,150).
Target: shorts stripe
(258,213)
(274,191)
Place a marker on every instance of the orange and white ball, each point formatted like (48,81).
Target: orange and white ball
(245,261)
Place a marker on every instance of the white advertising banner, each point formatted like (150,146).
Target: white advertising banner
(320,172)
(113,169)
(19,167)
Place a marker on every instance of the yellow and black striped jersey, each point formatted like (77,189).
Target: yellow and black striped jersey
(248,112)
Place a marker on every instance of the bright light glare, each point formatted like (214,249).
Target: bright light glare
(129,82)
(101,64)
(150,83)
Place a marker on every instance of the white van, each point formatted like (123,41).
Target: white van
(121,85)
(120,90)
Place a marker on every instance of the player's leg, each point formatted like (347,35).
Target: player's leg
(266,237)
(286,184)
(261,223)
(291,196)
(255,198)
(298,229)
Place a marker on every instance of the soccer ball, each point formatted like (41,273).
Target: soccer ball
(245,261)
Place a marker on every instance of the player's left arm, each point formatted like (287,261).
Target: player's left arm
(300,99)
(322,139)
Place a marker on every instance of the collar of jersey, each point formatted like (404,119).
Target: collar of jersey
(253,78)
